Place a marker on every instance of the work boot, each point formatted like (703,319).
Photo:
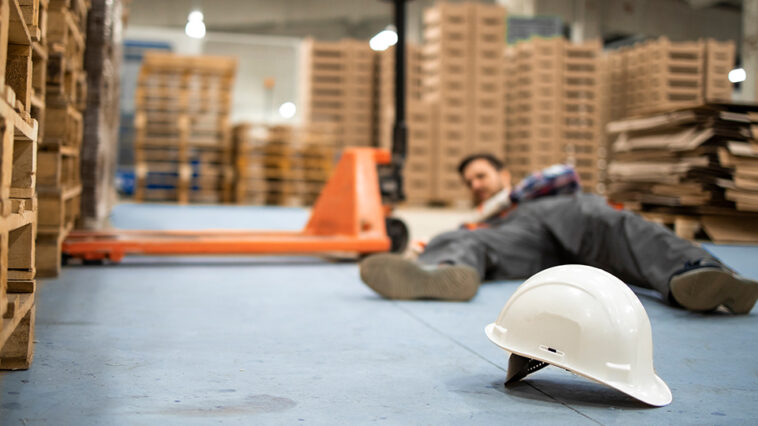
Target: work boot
(704,286)
(394,277)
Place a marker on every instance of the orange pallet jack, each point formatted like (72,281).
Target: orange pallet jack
(350,214)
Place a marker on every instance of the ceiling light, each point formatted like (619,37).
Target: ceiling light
(287,110)
(195,27)
(384,39)
(737,75)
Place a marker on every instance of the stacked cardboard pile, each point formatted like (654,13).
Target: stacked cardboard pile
(697,165)
(183,139)
(553,111)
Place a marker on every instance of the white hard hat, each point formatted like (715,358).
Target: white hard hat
(586,321)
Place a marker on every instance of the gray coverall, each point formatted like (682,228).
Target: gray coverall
(561,229)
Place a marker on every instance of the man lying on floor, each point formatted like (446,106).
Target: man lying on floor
(546,221)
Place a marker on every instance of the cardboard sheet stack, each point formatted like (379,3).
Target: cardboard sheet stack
(698,165)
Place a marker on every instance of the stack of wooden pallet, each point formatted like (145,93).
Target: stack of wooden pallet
(59,182)
(661,75)
(338,89)
(21,55)
(696,167)
(462,65)
(280,165)
(318,152)
(250,179)
(553,111)
(183,139)
(420,173)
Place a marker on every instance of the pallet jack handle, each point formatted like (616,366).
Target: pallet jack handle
(391,182)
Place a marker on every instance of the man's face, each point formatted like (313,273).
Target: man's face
(483,180)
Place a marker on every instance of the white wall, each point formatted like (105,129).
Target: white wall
(673,18)
(259,57)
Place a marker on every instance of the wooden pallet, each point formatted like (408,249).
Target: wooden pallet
(18,208)
(78,10)
(553,111)
(686,227)
(18,157)
(338,89)
(17,285)
(182,123)
(719,60)
(740,228)
(35,17)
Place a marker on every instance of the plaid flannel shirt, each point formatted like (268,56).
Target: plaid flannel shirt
(554,180)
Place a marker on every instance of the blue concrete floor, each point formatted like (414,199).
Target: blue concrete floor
(291,340)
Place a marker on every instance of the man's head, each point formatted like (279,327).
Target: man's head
(484,175)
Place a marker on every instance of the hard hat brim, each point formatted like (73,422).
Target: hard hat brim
(657,394)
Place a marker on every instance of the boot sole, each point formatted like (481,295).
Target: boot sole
(706,289)
(394,277)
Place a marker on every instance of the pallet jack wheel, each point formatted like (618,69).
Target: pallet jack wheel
(397,231)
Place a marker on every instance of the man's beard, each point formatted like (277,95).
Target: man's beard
(481,199)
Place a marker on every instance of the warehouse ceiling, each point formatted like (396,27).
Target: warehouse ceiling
(323,19)
(336,19)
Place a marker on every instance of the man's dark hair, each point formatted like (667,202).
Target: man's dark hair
(497,164)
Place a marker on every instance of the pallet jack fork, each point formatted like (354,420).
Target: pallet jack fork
(348,216)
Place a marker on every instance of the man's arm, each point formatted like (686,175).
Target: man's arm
(558,179)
